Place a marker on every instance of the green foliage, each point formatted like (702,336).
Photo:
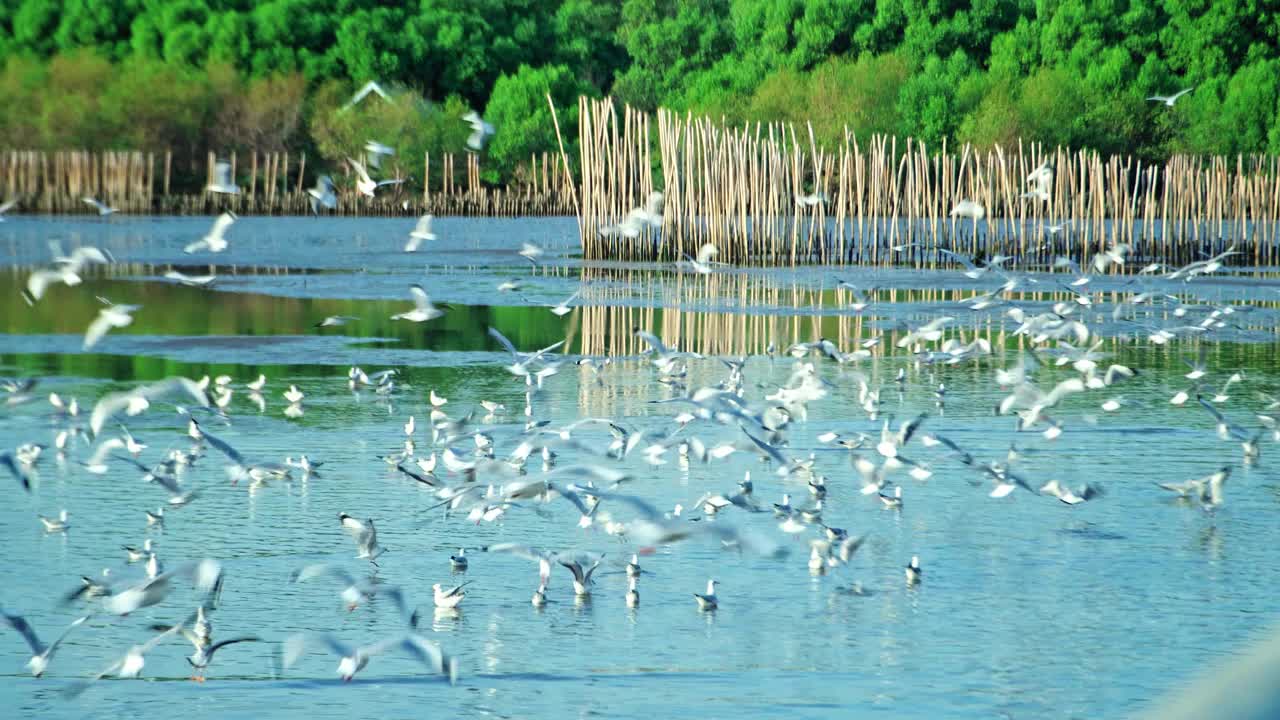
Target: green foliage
(271,73)
(519,111)
(405,121)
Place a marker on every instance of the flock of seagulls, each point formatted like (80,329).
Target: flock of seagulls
(483,465)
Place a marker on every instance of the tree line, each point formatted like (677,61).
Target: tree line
(276,74)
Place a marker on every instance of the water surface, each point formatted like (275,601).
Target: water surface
(1030,608)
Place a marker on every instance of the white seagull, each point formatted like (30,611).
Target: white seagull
(323,194)
(215,241)
(423,310)
(41,654)
(1169,100)
(222,180)
(101,207)
(481,131)
(708,601)
(364,184)
(422,233)
(112,316)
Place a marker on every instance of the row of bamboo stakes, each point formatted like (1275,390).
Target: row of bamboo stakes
(884,201)
(270,184)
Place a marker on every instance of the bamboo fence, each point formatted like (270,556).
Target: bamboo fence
(270,184)
(768,193)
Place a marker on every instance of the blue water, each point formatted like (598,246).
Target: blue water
(1029,608)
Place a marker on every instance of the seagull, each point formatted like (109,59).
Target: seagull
(222,180)
(702,264)
(970,209)
(451,598)
(1041,181)
(190,280)
(1068,496)
(633,566)
(41,654)
(56,525)
(354,592)
(101,207)
(581,577)
(531,252)
(543,558)
(637,219)
(375,150)
(293,395)
(564,308)
(129,666)
(365,535)
(364,184)
(206,575)
(459,562)
(1207,490)
(423,309)
(112,316)
(709,600)
(353,659)
(214,241)
(481,131)
(633,595)
(323,194)
(1169,100)
(913,570)
(422,233)
(6,207)
(335,320)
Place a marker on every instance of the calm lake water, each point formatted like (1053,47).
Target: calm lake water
(1030,608)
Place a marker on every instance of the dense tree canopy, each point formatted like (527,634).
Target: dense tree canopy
(1072,72)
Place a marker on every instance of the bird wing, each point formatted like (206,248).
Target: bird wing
(962,259)
(104,448)
(426,651)
(420,478)
(232,454)
(571,298)
(97,329)
(521,551)
(214,647)
(221,224)
(502,339)
(420,298)
(19,623)
(653,341)
(359,169)
(6,459)
(74,624)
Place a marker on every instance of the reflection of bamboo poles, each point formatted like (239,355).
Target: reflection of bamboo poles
(738,187)
(742,314)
